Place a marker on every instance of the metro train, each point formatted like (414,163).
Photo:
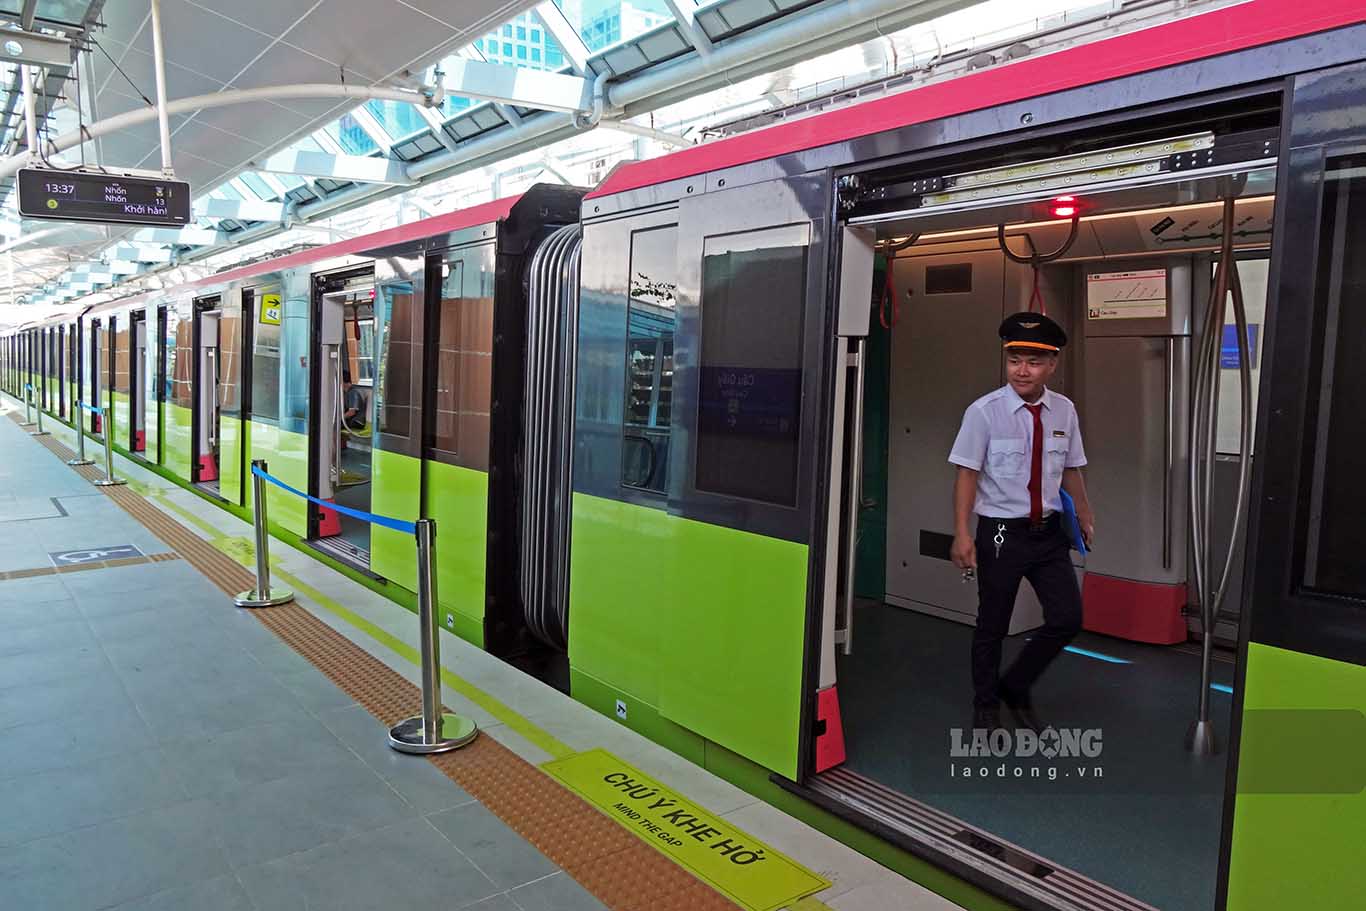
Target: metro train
(684,436)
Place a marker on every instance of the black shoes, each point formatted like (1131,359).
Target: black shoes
(1021,710)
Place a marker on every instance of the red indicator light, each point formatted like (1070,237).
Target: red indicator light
(1064,207)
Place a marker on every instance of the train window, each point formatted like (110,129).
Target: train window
(1335,494)
(750,384)
(394,308)
(230,361)
(464,358)
(180,359)
(122,358)
(265,354)
(650,320)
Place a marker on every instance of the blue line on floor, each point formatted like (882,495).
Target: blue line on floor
(1222,687)
(1097,655)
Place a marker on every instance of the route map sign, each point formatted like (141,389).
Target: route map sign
(104,198)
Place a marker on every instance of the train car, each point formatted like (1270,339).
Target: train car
(686,442)
(384,374)
(780,334)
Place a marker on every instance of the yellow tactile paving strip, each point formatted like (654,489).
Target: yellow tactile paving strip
(623,872)
(82,567)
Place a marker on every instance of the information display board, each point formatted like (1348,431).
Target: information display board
(1140,294)
(105,198)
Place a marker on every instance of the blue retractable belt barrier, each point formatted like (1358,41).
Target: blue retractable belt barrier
(93,409)
(385,521)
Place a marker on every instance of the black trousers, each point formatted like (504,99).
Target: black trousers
(1041,556)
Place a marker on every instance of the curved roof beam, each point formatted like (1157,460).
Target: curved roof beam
(470,78)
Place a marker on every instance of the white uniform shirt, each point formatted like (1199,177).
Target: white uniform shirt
(997,441)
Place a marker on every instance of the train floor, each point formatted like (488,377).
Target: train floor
(907,685)
(161,749)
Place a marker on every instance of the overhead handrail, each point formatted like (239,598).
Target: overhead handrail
(1036,259)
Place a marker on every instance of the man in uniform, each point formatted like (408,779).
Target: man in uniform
(1016,447)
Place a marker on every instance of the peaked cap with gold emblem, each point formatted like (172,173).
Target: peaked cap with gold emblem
(1032,332)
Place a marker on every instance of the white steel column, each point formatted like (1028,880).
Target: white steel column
(163,119)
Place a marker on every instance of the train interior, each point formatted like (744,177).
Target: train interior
(1130,269)
(208,402)
(342,451)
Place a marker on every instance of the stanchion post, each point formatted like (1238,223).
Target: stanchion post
(28,405)
(80,438)
(433,731)
(108,480)
(40,432)
(262,595)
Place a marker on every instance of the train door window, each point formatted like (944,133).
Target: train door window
(750,384)
(123,390)
(464,358)
(179,360)
(394,405)
(1333,435)
(265,354)
(230,361)
(651,317)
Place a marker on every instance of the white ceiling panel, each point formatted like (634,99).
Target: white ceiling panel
(477,16)
(140,69)
(273,17)
(388,36)
(284,65)
(203,41)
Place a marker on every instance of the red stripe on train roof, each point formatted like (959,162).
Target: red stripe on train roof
(414,230)
(1221,31)
(481,214)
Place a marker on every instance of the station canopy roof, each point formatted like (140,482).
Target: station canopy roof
(464,83)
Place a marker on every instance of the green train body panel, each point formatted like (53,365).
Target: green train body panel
(1298,850)
(178,441)
(457,499)
(704,623)
(151,424)
(286,455)
(395,491)
(233,443)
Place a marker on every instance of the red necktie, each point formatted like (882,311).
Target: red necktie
(1036,467)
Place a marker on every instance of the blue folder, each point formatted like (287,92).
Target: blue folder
(1070,523)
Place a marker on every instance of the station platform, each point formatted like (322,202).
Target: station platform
(162,749)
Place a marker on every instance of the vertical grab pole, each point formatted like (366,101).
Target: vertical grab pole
(432,731)
(262,595)
(108,480)
(80,438)
(28,405)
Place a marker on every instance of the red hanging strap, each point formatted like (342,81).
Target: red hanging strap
(1036,297)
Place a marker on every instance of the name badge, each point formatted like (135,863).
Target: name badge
(1060,433)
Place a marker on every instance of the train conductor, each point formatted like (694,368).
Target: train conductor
(1016,447)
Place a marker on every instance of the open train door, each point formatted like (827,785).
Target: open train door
(207,326)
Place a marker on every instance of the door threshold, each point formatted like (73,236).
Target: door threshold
(345,552)
(991,863)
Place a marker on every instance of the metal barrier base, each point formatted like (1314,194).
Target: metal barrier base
(274,597)
(28,423)
(74,462)
(109,482)
(40,433)
(453,732)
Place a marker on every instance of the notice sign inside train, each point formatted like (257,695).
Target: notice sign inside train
(1127,295)
(99,197)
(749,872)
